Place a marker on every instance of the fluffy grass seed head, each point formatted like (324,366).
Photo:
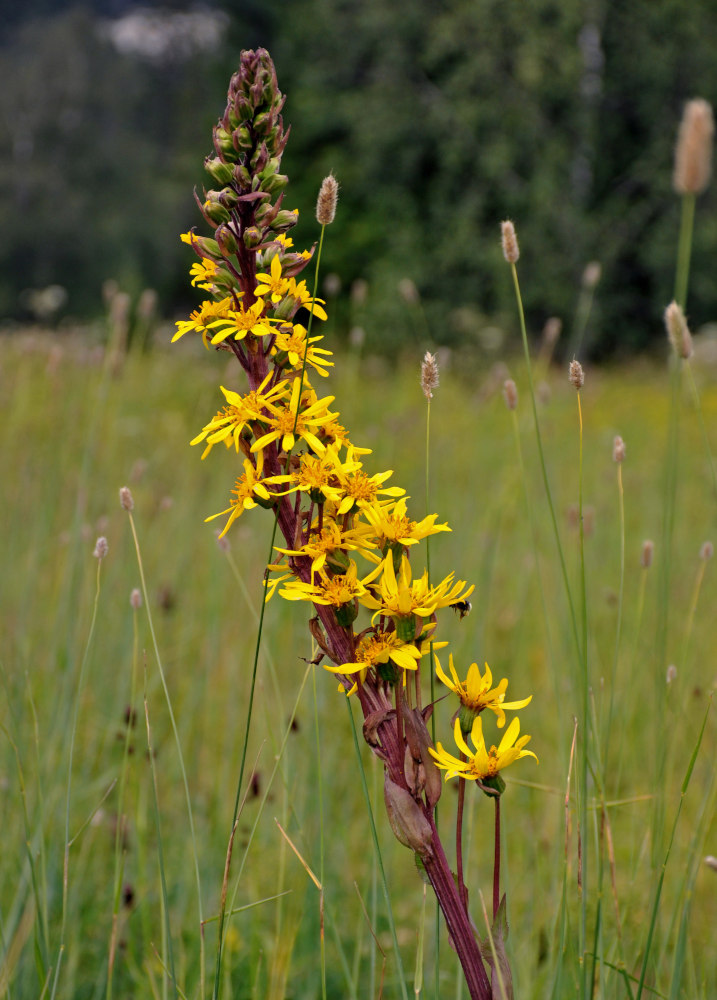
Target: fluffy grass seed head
(509,242)
(677,331)
(576,375)
(101,548)
(671,674)
(510,394)
(429,374)
(618,449)
(326,202)
(126,499)
(592,274)
(693,152)
(135,599)
(706,552)
(647,554)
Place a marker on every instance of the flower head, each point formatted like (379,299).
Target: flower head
(476,693)
(482,764)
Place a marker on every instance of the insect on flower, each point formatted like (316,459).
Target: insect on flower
(462,608)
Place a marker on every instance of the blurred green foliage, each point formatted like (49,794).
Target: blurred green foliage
(439,119)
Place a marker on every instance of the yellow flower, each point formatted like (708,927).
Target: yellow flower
(400,596)
(272,283)
(331,544)
(300,295)
(377,647)
(201,319)
(284,425)
(393,527)
(316,475)
(228,424)
(475,693)
(359,489)
(335,591)
(292,342)
(202,273)
(239,322)
(246,489)
(482,764)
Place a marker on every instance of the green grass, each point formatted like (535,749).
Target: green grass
(72,434)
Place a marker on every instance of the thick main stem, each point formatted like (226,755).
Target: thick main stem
(457,919)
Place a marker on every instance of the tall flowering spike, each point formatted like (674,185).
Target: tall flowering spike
(693,153)
(678,332)
(249,141)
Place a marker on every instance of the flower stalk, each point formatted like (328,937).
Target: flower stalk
(346,536)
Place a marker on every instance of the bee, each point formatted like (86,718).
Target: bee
(462,608)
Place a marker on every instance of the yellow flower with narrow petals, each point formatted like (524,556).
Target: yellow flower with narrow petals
(393,527)
(285,426)
(241,411)
(202,318)
(335,591)
(202,273)
(239,322)
(476,693)
(482,764)
(249,491)
(291,341)
(273,283)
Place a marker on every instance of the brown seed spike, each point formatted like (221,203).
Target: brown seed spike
(648,551)
(693,152)
(618,449)
(509,241)
(126,499)
(100,548)
(429,374)
(326,202)
(576,375)
(678,332)
(510,394)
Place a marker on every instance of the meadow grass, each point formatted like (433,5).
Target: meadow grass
(74,432)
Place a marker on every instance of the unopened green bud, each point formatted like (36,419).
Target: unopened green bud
(223,143)
(496,783)
(405,627)
(221,172)
(226,240)
(242,177)
(285,219)
(265,214)
(252,237)
(388,672)
(208,246)
(346,613)
(242,138)
(277,182)
(228,197)
(213,209)
(336,559)
(466,716)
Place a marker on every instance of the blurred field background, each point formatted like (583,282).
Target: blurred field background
(439,121)
(74,432)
